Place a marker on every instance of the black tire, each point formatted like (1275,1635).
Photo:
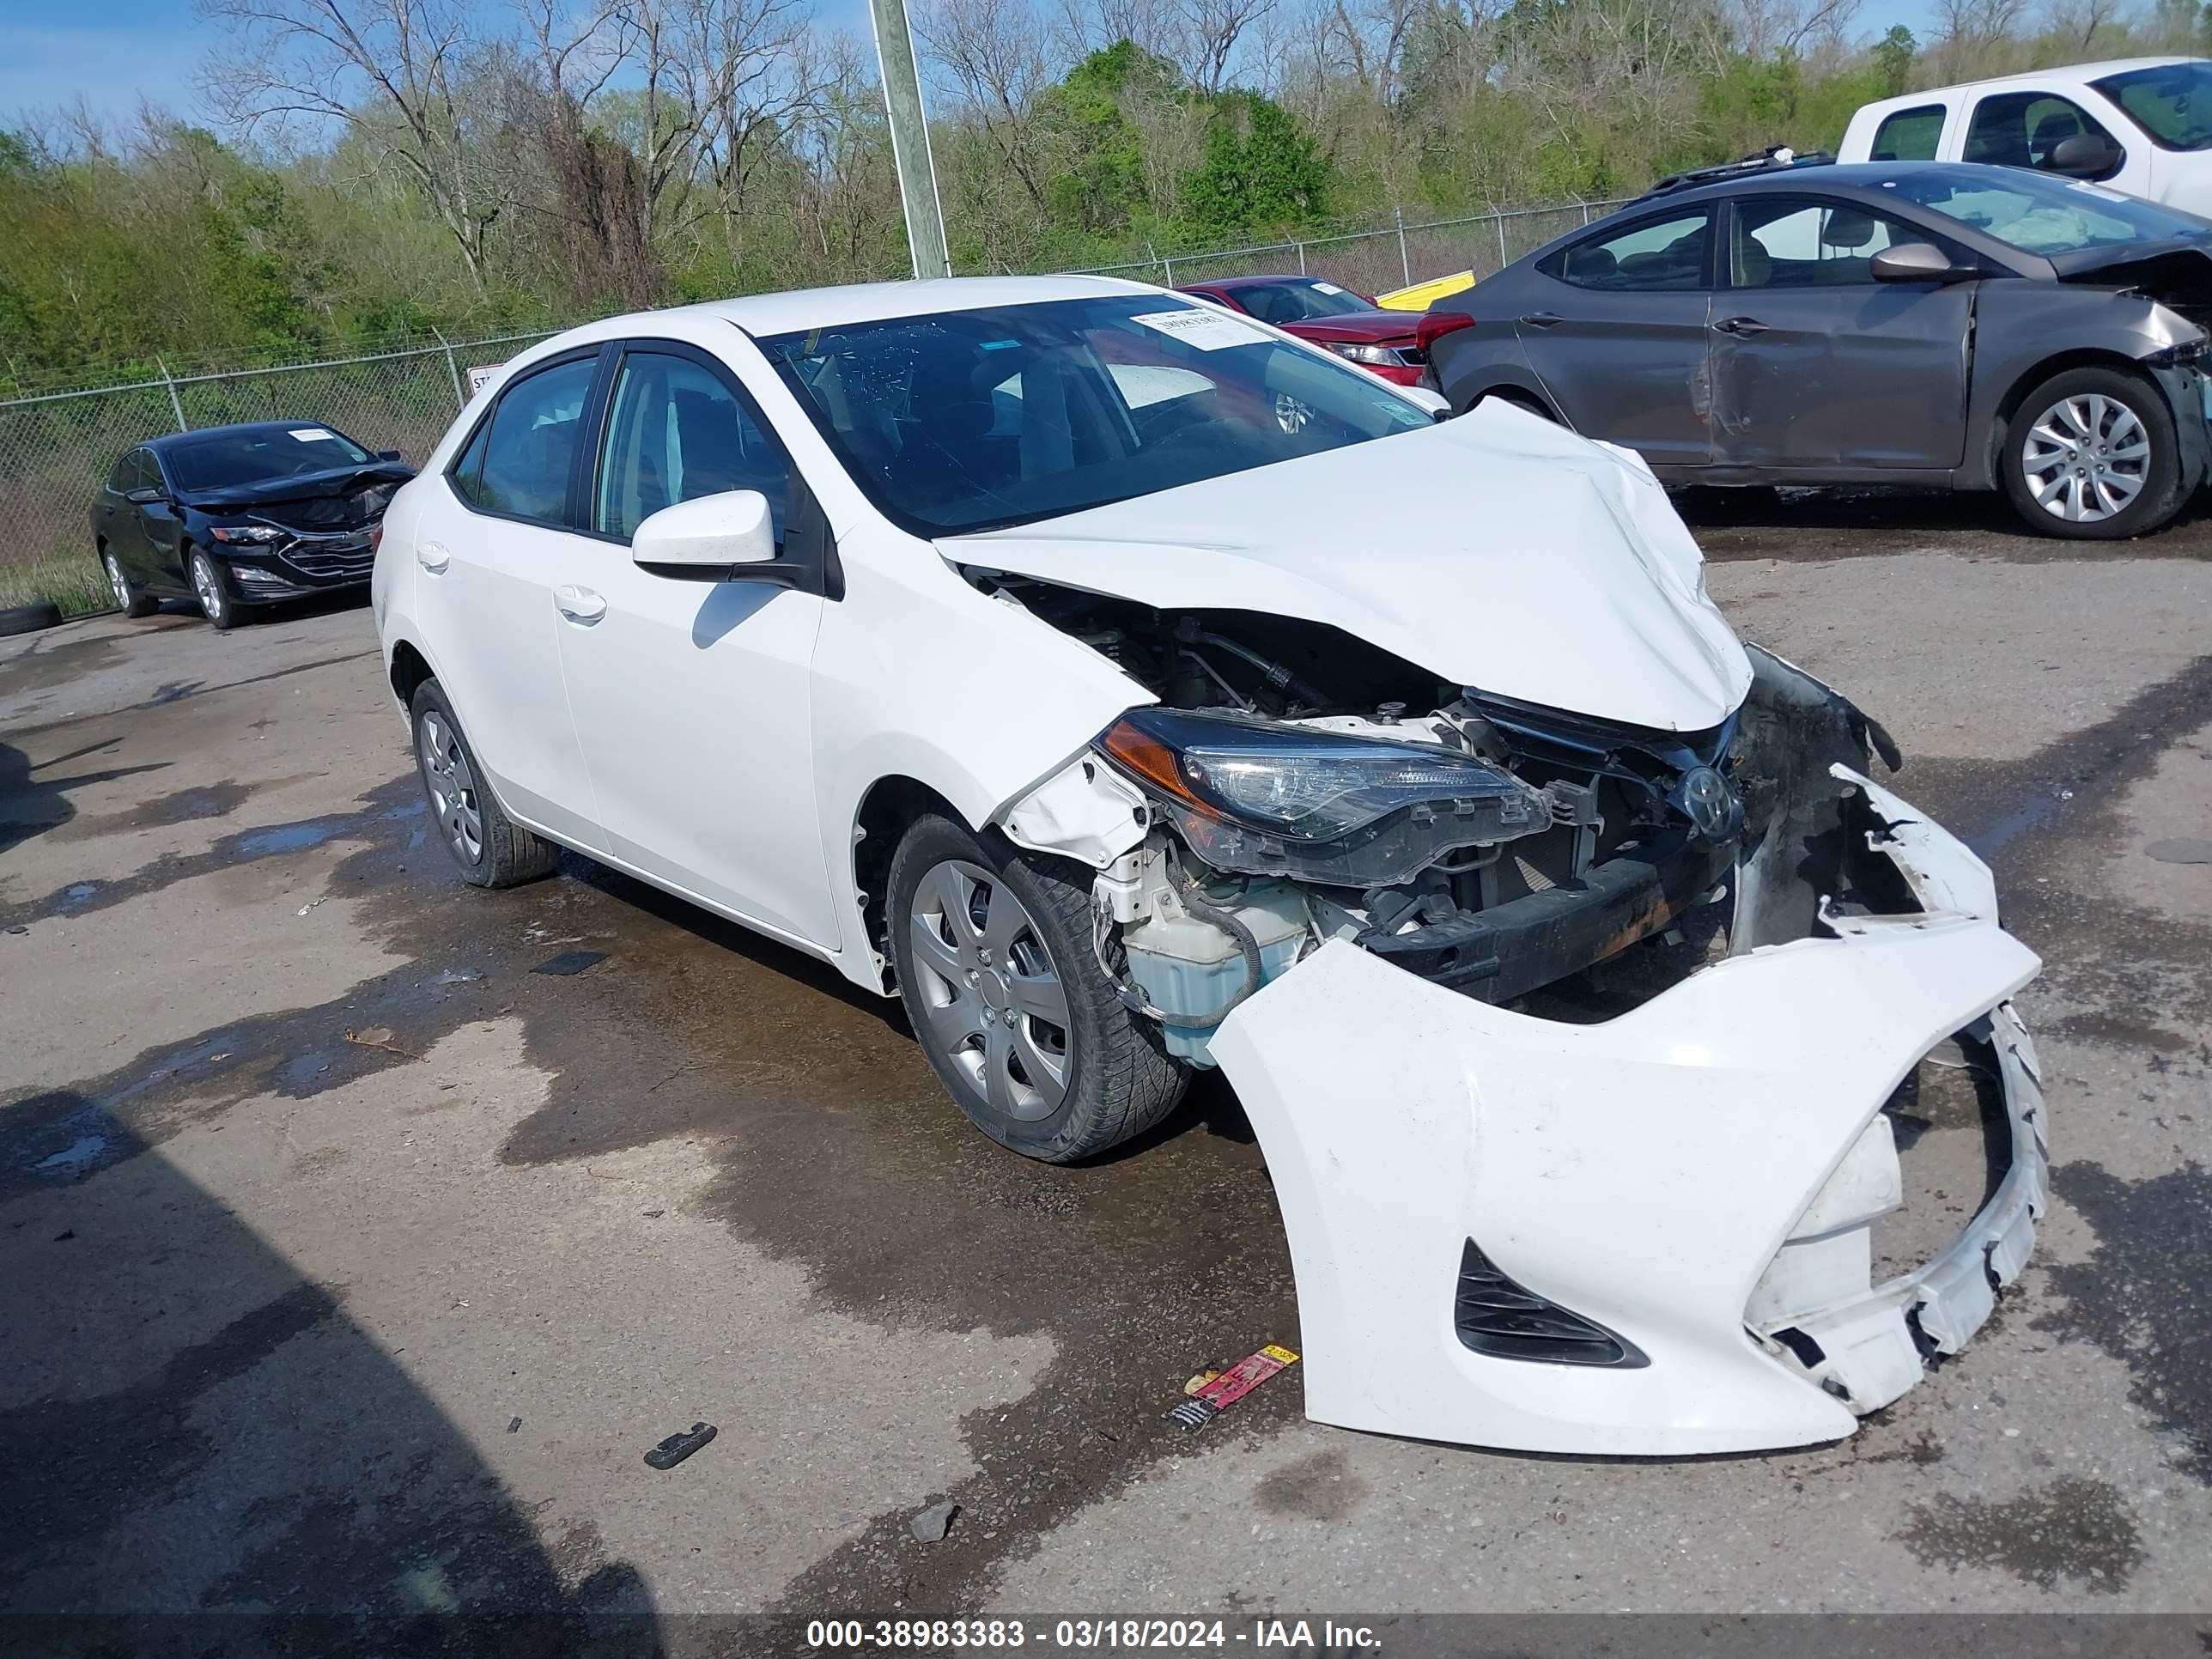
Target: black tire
(129,599)
(1117,1082)
(29,618)
(211,586)
(500,852)
(2158,494)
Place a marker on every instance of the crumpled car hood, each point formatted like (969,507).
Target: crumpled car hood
(1496,550)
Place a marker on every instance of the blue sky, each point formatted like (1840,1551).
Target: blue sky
(113,51)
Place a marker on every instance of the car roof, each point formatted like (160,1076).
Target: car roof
(169,441)
(1796,180)
(1233,282)
(2072,75)
(762,314)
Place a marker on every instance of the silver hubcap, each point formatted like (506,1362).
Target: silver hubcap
(452,788)
(2086,458)
(988,991)
(118,584)
(208,589)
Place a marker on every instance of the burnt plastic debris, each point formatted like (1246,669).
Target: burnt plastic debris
(677,1447)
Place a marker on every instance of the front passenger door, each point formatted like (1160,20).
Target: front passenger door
(1818,365)
(693,700)
(1616,332)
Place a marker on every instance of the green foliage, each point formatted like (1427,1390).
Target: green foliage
(1261,171)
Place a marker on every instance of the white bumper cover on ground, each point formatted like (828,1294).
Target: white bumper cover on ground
(1644,1173)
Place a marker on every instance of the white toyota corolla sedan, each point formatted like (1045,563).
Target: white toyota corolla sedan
(1132,688)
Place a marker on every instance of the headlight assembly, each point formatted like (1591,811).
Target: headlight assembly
(1381,356)
(245,534)
(1287,800)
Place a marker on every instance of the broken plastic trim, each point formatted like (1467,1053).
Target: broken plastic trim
(1496,1316)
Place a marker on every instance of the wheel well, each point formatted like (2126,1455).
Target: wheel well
(889,809)
(1509,392)
(2057,363)
(409,671)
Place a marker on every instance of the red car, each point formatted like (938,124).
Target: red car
(1350,325)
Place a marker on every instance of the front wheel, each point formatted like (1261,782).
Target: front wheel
(212,589)
(128,599)
(2094,455)
(1005,995)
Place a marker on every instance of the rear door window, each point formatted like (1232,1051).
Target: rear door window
(518,464)
(1910,135)
(1654,254)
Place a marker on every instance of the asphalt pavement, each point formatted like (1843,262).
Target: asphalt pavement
(351,1259)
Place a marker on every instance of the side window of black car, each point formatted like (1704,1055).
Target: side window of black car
(123,477)
(518,463)
(1656,254)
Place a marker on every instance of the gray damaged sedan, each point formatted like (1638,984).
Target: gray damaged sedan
(1961,326)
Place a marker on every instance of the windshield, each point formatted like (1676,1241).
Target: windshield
(2039,214)
(972,420)
(2173,102)
(1296,301)
(224,459)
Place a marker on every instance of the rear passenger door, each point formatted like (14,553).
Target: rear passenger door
(1616,330)
(494,548)
(694,700)
(1816,364)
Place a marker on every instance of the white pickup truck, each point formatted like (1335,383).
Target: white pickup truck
(2142,124)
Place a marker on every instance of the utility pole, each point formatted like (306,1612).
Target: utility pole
(917,171)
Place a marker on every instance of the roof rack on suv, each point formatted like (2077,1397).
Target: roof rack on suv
(1766,161)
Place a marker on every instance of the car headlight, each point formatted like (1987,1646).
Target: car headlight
(235,533)
(1381,356)
(1303,785)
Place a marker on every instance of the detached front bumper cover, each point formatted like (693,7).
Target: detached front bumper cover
(1692,1176)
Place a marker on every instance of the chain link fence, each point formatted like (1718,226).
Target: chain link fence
(55,448)
(1375,261)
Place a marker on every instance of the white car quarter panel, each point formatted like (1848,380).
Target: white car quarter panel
(1642,1173)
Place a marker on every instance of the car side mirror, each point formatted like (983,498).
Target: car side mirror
(392,455)
(709,539)
(142,497)
(2085,156)
(1915,262)
(1436,403)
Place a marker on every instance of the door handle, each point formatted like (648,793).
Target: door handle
(1543,320)
(432,557)
(1742,327)
(578,604)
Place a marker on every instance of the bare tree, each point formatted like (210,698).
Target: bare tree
(2079,20)
(993,56)
(391,70)
(1211,30)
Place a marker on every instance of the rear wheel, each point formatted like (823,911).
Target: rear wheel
(491,849)
(1004,991)
(212,589)
(128,599)
(2094,454)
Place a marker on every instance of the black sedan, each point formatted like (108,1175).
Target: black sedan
(236,516)
(1961,326)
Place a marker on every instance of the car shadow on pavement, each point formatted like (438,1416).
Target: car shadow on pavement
(30,805)
(201,1452)
(1892,508)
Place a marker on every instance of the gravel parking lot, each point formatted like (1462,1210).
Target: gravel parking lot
(349,1260)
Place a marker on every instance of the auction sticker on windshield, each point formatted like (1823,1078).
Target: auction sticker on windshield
(1207,330)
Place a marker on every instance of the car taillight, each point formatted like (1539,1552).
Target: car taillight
(1434,325)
